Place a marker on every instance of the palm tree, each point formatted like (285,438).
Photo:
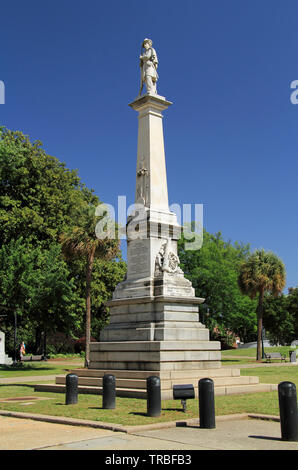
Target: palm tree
(263,272)
(81,240)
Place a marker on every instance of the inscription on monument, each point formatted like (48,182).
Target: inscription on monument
(138,257)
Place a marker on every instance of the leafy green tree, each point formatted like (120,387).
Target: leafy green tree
(16,263)
(105,276)
(54,295)
(277,320)
(36,288)
(292,306)
(40,199)
(38,194)
(81,241)
(213,271)
(263,272)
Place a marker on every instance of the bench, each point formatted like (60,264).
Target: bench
(275,355)
(31,358)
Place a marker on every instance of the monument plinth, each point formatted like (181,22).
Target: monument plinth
(4,359)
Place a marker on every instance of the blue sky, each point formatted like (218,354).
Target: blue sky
(231,137)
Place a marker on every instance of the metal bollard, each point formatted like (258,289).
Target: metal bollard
(153,396)
(71,397)
(288,411)
(206,403)
(109,392)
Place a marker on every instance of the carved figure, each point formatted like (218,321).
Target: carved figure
(148,65)
(142,186)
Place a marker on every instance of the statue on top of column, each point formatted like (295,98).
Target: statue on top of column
(148,65)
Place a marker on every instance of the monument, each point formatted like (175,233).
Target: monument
(154,321)
(154,314)
(4,359)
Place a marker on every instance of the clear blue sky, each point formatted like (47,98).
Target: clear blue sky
(70,69)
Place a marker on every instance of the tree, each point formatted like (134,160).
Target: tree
(81,240)
(277,319)
(38,194)
(54,295)
(36,289)
(213,270)
(292,306)
(263,272)
(39,200)
(106,274)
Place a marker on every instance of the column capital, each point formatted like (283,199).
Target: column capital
(155,101)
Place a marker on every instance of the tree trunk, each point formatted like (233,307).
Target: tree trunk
(89,267)
(44,348)
(37,346)
(260,325)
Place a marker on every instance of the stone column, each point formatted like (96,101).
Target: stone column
(152,231)
(151,179)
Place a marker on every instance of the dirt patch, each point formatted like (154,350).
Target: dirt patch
(13,399)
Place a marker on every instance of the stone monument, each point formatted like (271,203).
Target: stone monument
(4,359)
(154,321)
(154,314)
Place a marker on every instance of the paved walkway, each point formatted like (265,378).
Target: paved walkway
(230,434)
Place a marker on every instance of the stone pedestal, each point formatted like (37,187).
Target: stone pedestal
(155,334)
(4,359)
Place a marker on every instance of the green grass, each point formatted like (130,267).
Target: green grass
(131,411)
(39,368)
(251,352)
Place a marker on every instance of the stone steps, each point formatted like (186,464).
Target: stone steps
(164,375)
(165,384)
(133,383)
(165,394)
(155,346)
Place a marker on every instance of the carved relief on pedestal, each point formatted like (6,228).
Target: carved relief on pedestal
(143,184)
(167,261)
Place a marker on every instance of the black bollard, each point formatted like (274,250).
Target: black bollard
(206,403)
(288,411)
(109,392)
(153,396)
(71,397)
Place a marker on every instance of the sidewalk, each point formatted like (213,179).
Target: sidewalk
(231,433)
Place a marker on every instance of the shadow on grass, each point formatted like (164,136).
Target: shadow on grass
(98,408)
(23,368)
(137,413)
(173,409)
(16,385)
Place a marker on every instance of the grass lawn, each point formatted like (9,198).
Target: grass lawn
(131,411)
(51,367)
(251,352)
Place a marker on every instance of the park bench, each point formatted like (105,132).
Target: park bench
(275,355)
(30,358)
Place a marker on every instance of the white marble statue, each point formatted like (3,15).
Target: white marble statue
(148,65)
